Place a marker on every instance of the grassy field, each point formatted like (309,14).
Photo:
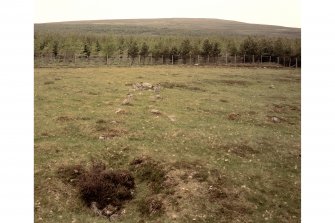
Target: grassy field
(170,27)
(224,145)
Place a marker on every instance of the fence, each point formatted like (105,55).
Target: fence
(122,60)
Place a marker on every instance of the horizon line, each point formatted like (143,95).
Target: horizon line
(82,20)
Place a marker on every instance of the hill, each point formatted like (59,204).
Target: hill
(172,26)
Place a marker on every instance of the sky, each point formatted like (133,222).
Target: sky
(271,12)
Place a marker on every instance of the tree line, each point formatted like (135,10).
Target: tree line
(69,45)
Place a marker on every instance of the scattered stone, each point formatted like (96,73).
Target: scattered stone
(101,137)
(172,118)
(275,120)
(95,209)
(147,86)
(174,216)
(120,111)
(272,86)
(155,111)
(114,217)
(126,101)
(157,88)
(109,210)
(158,96)
(137,86)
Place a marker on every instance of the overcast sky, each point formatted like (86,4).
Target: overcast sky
(272,12)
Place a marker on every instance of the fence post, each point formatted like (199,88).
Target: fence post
(253,58)
(198,59)
(277,60)
(190,59)
(226,58)
(244,58)
(139,59)
(289,64)
(270,60)
(107,59)
(172,59)
(40,60)
(235,59)
(151,59)
(261,59)
(208,58)
(74,59)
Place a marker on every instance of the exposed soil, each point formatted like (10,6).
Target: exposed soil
(241,150)
(104,191)
(180,190)
(227,82)
(64,118)
(289,79)
(71,174)
(106,187)
(49,82)
(181,85)
(223,100)
(234,116)
(106,132)
(284,108)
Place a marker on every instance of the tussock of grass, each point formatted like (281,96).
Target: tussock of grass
(149,171)
(71,174)
(151,206)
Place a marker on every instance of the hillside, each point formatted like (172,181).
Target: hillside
(173,26)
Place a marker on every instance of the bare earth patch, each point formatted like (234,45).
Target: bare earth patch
(103,190)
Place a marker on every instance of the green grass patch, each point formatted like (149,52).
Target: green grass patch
(224,146)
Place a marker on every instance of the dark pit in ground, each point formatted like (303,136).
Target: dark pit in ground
(103,190)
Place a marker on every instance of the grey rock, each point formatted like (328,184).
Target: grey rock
(155,111)
(275,119)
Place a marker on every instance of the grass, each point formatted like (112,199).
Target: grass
(169,27)
(203,166)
